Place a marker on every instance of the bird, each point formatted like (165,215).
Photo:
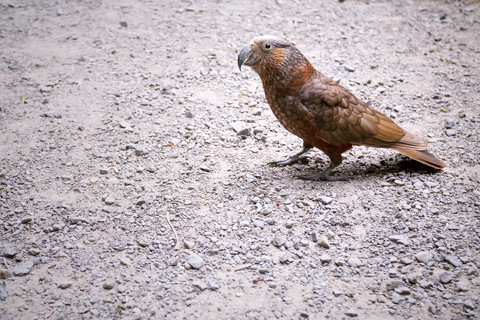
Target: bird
(320,111)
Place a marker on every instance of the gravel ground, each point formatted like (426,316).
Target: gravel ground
(117,117)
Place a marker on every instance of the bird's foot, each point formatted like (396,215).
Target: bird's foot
(324,177)
(284,162)
(292,159)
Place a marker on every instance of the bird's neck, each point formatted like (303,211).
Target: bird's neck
(288,79)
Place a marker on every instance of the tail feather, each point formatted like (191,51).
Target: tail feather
(424,157)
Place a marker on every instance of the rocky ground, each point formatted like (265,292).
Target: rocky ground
(118,117)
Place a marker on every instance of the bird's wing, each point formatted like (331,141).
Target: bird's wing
(341,118)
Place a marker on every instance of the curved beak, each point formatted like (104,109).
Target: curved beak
(245,57)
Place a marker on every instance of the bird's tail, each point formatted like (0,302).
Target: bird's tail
(424,157)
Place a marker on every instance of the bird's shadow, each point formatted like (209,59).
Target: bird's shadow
(366,170)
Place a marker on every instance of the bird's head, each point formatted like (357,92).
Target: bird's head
(274,59)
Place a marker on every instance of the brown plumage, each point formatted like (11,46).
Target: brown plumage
(320,111)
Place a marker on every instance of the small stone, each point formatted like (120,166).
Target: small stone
(65,284)
(445,277)
(424,257)
(5,274)
(286,258)
(325,258)
(289,224)
(426,284)
(34,251)
(109,284)
(10,252)
(339,262)
(399,238)
(325,200)
(26,219)
(206,169)
(125,261)
(431,307)
(449,124)
(323,242)
(3,290)
(195,261)
(396,298)
(450,132)
(403,291)
(123,24)
(463,286)
(103,170)
(412,277)
(349,69)
(189,244)
(354,262)
(337,292)
(393,284)
(213,285)
(453,260)
(23,268)
(109,200)
(200,285)
(259,224)
(381,298)
(352,312)
(121,288)
(278,241)
(469,304)
(124,125)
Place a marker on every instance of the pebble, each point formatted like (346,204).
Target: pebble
(125,261)
(259,224)
(3,290)
(352,312)
(109,284)
(286,258)
(445,277)
(200,285)
(323,242)
(399,238)
(109,200)
(10,252)
(450,132)
(354,262)
(65,284)
(349,69)
(23,268)
(325,258)
(453,260)
(424,257)
(213,285)
(5,274)
(278,241)
(393,284)
(195,261)
(403,291)
(339,262)
(325,200)
(449,124)
(337,292)
(189,244)
(396,298)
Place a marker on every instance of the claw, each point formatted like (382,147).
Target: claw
(292,159)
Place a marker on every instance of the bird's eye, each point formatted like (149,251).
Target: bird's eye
(268,46)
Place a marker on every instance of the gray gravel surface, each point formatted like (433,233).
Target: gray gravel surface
(117,117)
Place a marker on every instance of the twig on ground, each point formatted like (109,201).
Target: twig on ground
(177,242)
(48,315)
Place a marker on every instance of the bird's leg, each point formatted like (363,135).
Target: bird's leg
(335,161)
(292,159)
